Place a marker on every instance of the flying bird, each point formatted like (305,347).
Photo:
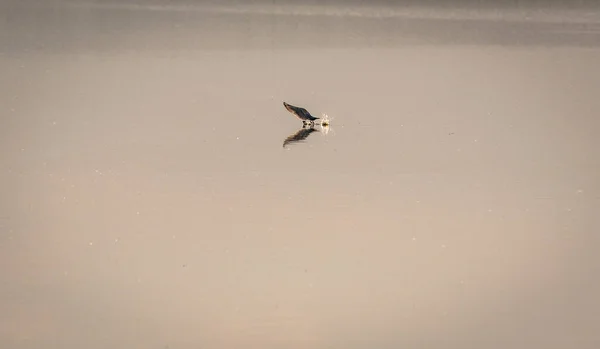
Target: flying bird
(301,114)
(299,136)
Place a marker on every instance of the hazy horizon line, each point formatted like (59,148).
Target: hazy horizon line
(365,11)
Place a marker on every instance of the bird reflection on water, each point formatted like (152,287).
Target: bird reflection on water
(300,135)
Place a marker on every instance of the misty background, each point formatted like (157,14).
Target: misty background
(148,198)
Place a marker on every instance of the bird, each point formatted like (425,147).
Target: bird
(300,135)
(301,114)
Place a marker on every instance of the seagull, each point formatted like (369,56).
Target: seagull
(301,114)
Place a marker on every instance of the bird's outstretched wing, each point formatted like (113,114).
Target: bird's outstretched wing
(299,136)
(300,113)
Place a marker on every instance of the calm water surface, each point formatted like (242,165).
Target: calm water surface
(148,201)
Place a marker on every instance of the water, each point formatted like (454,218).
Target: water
(148,201)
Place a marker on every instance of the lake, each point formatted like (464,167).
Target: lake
(148,200)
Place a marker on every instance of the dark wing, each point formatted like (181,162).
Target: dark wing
(299,136)
(304,114)
(301,113)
